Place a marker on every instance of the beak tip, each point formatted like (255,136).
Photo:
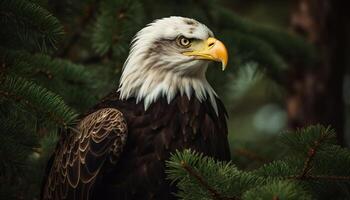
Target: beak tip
(223,67)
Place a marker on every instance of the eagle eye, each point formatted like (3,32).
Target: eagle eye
(183,41)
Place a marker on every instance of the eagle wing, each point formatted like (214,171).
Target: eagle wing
(99,138)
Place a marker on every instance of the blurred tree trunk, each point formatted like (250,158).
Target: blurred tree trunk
(316,93)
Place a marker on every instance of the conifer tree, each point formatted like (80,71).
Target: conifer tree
(312,166)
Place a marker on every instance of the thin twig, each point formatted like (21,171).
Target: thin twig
(308,165)
(214,193)
(311,154)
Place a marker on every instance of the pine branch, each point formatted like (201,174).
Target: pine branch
(74,82)
(84,21)
(31,23)
(201,177)
(214,193)
(324,135)
(30,105)
(17,139)
(38,99)
(312,152)
(273,188)
(30,65)
(114,26)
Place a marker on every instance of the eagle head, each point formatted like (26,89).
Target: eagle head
(168,57)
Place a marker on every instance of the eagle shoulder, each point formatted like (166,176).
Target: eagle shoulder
(98,138)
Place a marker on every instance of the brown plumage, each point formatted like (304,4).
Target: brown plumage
(118,149)
(80,155)
(152,136)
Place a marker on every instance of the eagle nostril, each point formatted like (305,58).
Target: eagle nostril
(211,44)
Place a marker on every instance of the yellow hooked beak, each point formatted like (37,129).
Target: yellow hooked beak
(212,49)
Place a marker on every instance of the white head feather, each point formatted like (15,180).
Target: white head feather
(154,69)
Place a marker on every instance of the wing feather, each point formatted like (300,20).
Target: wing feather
(79,157)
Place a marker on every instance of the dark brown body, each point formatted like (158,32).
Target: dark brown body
(152,135)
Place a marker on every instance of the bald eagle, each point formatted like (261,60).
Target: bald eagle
(163,104)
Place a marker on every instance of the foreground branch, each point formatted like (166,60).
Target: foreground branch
(311,154)
(27,103)
(213,192)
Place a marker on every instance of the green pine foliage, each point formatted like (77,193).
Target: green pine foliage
(200,177)
(308,164)
(45,70)
(32,26)
(34,99)
(37,98)
(116,23)
(20,146)
(278,189)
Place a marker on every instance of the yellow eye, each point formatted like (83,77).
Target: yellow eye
(184,42)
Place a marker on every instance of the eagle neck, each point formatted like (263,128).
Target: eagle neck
(150,86)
